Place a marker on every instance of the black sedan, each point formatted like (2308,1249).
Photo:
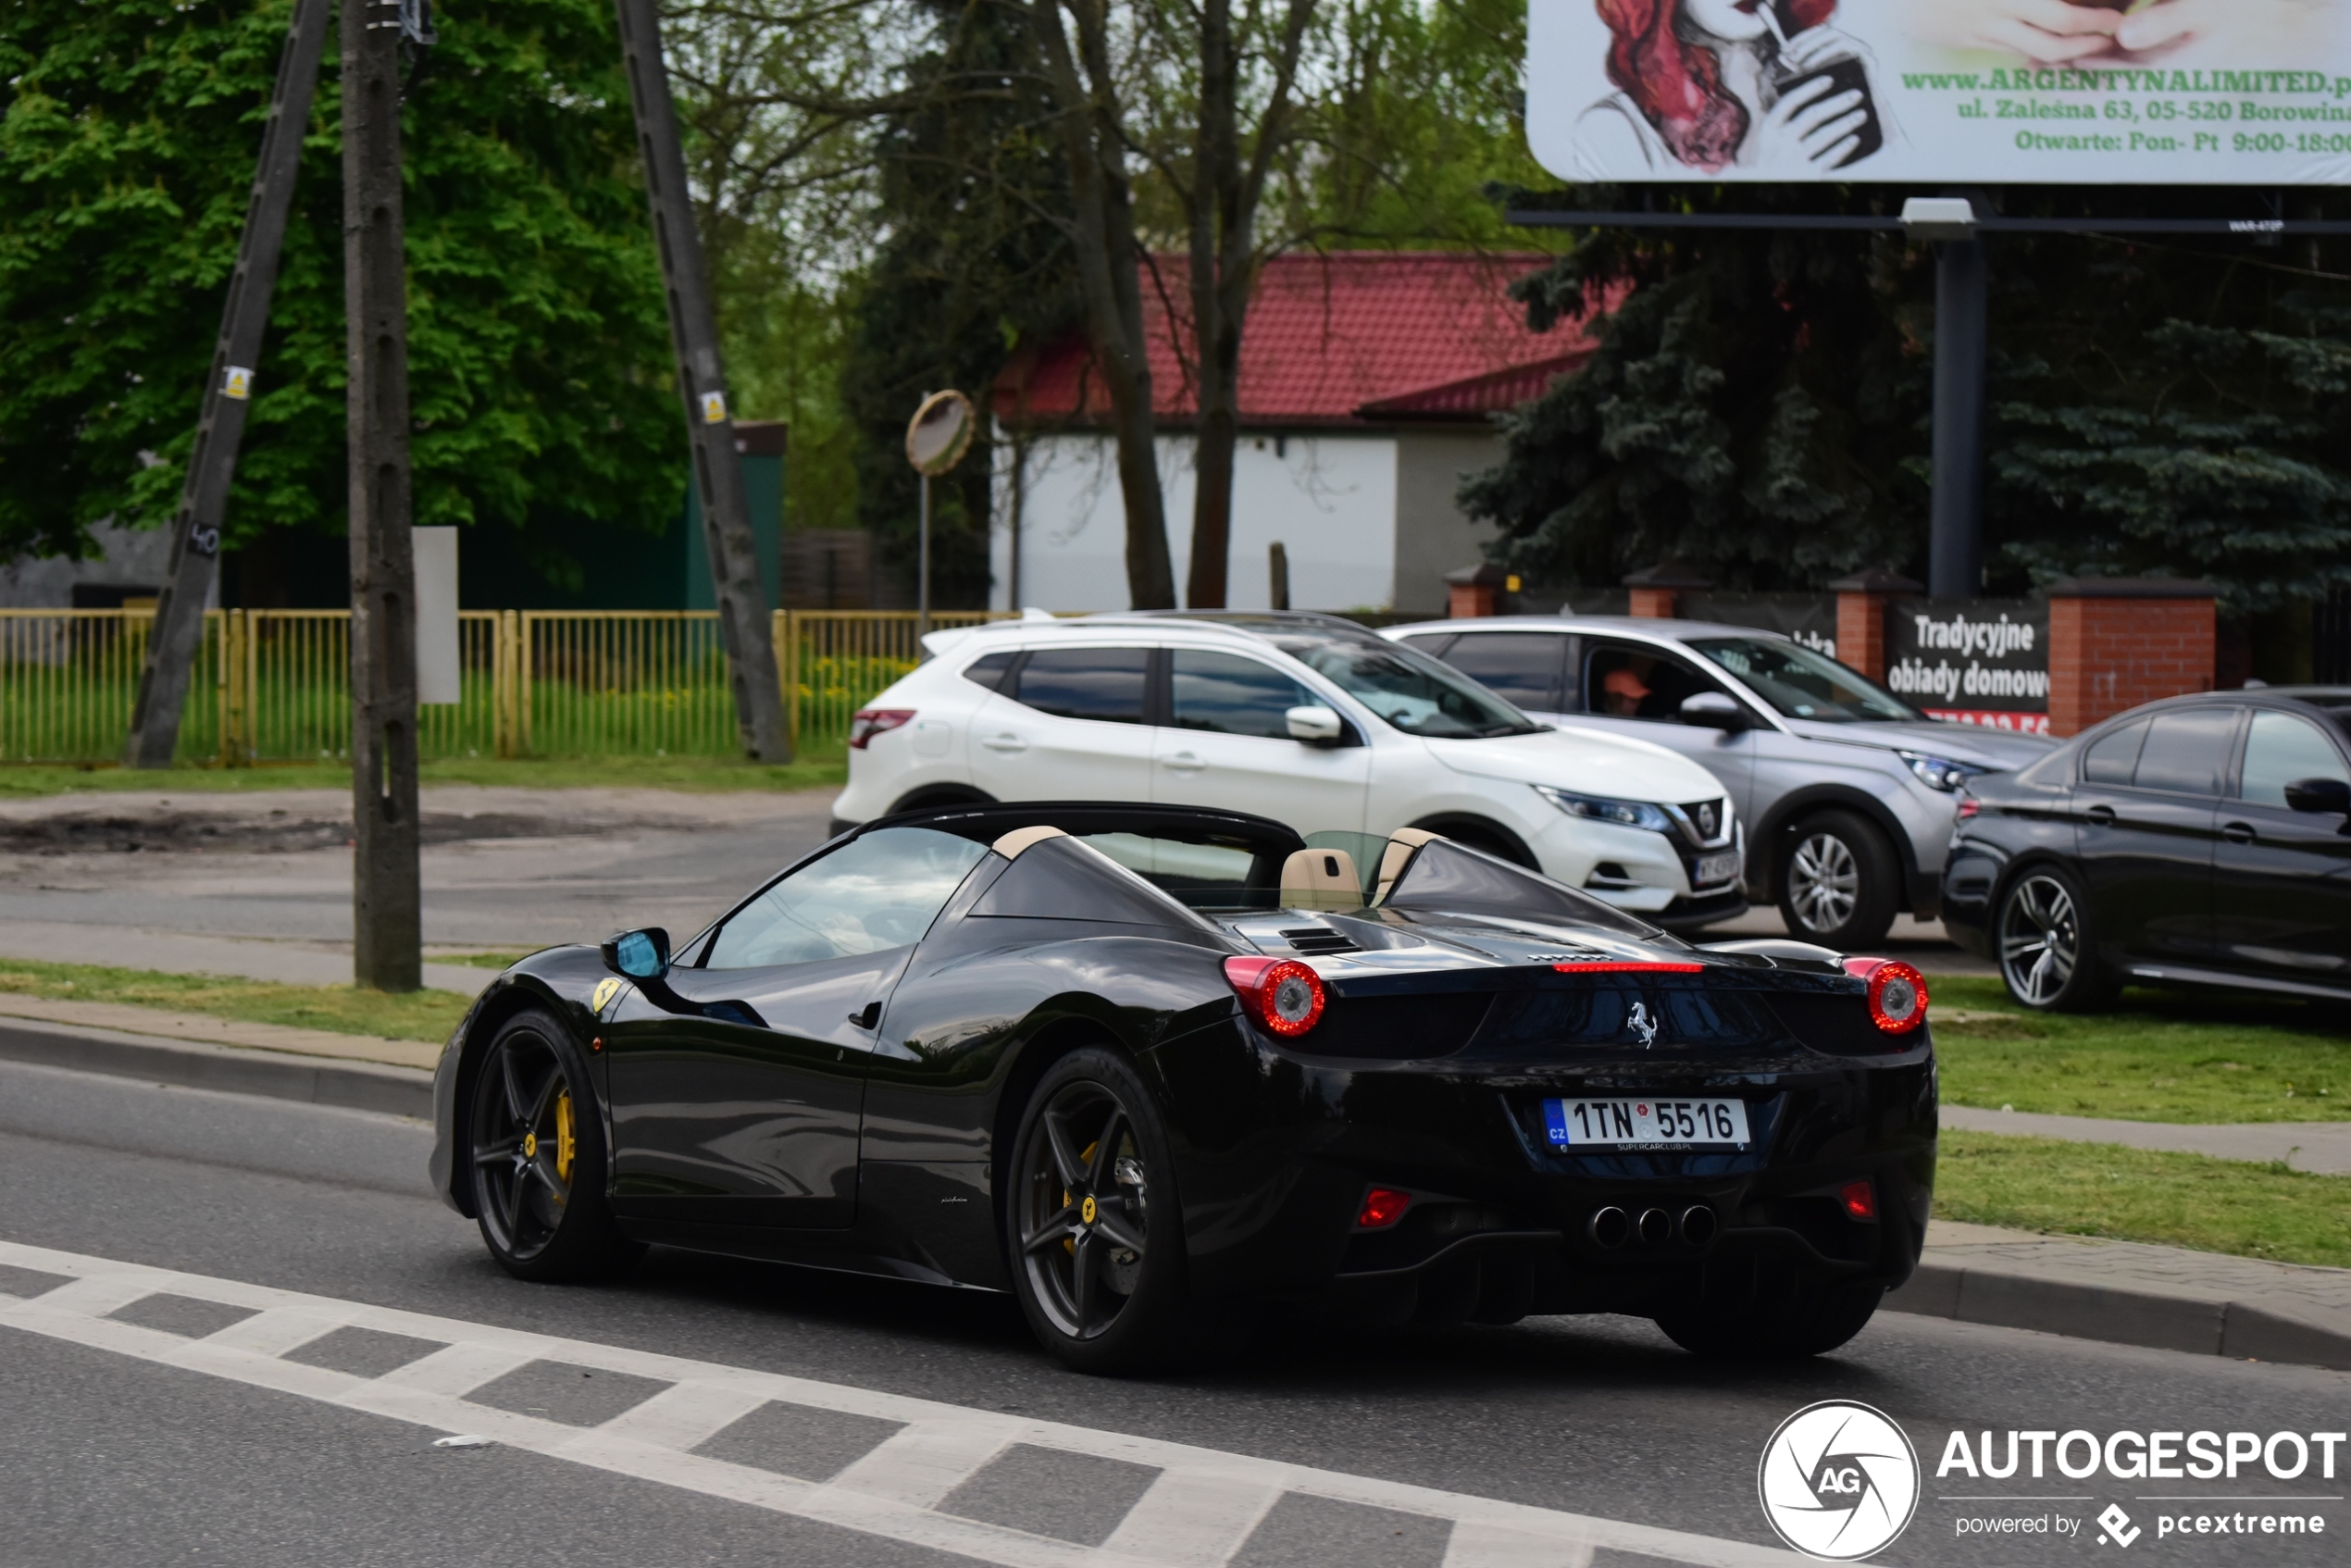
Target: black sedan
(2203,840)
(1148,1067)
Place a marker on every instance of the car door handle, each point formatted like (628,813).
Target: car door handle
(2238,832)
(866,1017)
(2100,816)
(1004,742)
(1184,762)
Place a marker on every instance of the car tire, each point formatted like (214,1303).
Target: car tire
(535,1154)
(1839,881)
(2047,949)
(1091,1177)
(1813,1321)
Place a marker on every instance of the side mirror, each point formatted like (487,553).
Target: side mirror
(640,955)
(1711,710)
(2326,796)
(1315,725)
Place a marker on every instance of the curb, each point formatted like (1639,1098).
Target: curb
(353,1085)
(2209,1326)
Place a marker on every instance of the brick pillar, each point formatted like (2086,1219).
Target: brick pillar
(1475,591)
(1860,617)
(1657,590)
(2115,643)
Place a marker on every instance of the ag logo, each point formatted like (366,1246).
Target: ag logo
(1838,1480)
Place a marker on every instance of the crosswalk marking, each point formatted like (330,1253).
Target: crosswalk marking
(1199,1513)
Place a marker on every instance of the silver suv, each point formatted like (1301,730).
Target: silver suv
(1848,792)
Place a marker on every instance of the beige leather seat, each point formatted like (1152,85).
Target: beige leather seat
(1392,860)
(1324,879)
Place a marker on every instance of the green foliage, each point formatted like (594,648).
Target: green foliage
(2164,411)
(1760,407)
(1748,410)
(973,264)
(539,365)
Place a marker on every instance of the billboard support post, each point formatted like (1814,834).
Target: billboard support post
(1955,518)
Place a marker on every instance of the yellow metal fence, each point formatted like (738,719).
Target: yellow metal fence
(274,685)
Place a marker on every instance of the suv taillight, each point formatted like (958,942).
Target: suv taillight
(867,723)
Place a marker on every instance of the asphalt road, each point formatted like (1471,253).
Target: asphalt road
(131,878)
(115,1452)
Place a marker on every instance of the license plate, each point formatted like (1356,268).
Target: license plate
(1717,868)
(1647,1124)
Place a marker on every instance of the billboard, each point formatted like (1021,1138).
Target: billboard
(1998,91)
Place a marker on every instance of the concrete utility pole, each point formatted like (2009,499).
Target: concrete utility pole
(195,528)
(701,383)
(387,905)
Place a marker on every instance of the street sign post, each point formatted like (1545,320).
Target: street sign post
(936,437)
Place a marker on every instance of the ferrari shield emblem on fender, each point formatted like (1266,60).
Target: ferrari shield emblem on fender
(607,988)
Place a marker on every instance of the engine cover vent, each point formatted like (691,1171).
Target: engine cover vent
(1317,940)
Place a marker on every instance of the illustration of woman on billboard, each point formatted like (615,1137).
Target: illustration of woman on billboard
(1710,84)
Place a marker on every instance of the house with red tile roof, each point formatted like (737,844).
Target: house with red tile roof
(1368,381)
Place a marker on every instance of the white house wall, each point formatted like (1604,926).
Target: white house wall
(1330,500)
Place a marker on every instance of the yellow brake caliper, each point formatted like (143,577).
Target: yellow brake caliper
(1085,1157)
(566,1146)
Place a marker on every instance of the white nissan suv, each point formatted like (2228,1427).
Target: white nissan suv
(1307,719)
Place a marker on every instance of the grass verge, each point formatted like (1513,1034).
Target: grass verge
(2249,1210)
(2160,1057)
(426,1015)
(818,767)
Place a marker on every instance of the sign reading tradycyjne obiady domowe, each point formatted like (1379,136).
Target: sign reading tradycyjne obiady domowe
(2087,91)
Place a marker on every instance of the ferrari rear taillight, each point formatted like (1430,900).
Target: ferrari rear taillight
(1283,995)
(1897,993)
(1383,1206)
(1859,1200)
(867,723)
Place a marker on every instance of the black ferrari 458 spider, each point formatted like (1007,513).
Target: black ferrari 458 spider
(1144,1067)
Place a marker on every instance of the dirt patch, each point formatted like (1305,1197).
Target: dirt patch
(193,832)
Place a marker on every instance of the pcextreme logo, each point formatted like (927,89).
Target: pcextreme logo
(1838,1480)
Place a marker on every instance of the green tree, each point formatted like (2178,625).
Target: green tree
(976,261)
(538,353)
(1754,408)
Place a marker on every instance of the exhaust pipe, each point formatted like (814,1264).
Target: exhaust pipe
(1656,1227)
(1699,1225)
(1610,1227)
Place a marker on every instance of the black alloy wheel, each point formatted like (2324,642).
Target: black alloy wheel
(539,1157)
(1096,1235)
(2049,960)
(1839,882)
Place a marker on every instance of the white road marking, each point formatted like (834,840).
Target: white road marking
(1198,1513)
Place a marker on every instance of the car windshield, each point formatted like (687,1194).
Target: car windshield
(1409,691)
(1802,684)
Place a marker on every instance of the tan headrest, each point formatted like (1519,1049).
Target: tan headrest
(1400,845)
(1321,879)
(1010,845)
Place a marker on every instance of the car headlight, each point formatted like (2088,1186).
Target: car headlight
(1625,813)
(1941,773)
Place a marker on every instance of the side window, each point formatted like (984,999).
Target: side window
(1523,666)
(2114,757)
(1104,684)
(1626,681)
(2281,749)
(2186,751)
(882,890)
(990,671)
(1230,695)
